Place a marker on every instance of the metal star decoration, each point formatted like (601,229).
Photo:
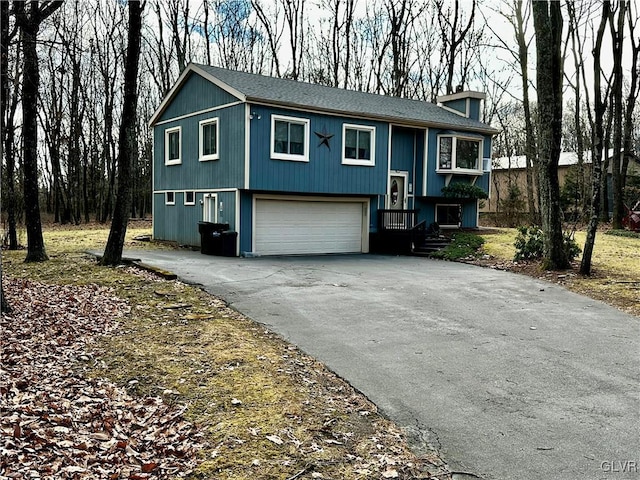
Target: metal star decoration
(324,137)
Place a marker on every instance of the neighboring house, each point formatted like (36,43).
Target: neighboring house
(507,171)
(297,168)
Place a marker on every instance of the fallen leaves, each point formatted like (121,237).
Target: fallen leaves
(57,422)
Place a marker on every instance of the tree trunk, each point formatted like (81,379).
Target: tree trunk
(530,142)
(597,137)
(29,26)
(4,91)
(547,19)
(7,115)
(127,140)
(617,110)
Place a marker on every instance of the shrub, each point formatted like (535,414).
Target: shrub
(529,244)
(464,190)
(463,245)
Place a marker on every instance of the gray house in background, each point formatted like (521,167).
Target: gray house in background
(297,168)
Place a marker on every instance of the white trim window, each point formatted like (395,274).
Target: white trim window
(449,215)
(289,138)
(173,146)
(358,145)
(169,198)
(459,154)
(209,140)
(190,197)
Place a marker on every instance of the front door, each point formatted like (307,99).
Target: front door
(397,192)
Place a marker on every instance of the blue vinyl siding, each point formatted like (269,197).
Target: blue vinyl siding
(407,154)
(246,221)
(226,172)
(427,210)
(402,150)
(324,173)
(474,108)
(459,105)
(196,94)
(179,222)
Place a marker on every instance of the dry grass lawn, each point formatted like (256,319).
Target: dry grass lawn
(615,275)
(268,410)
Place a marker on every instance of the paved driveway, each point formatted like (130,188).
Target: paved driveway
(510,377)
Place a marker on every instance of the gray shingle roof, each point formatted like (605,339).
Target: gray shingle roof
(279,91)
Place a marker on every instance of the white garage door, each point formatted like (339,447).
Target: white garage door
(286,227)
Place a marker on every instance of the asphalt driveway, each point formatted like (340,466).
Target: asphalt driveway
(509,377)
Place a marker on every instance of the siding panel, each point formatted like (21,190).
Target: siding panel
(196,94)
(179,222)
(226,172)
(324,173)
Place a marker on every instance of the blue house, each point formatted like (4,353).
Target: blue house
(297,168)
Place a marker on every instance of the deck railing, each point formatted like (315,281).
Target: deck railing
(397,219)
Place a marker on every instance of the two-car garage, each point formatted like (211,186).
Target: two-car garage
(310,225)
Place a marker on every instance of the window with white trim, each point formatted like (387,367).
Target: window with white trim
(169,198)
(449,215)
(460,154)
(209,140)
(289,138)
(358,145)
(173,146)
(190,198)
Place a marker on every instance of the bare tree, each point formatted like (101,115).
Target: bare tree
(8,107)
(547,19)
(273,29)
(29,17)
(181,27)
(617,28)
(5,36)
(597,142)
(127,140)
(294,17)
(576,84)
(453,30)
(634,90)
(402,15)
(518,16)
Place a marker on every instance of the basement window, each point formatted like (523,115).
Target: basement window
(449,216)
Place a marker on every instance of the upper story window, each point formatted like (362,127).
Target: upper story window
(209,140)
(173,146)
(459,154)
(169,198)
(289,138)
(358,145)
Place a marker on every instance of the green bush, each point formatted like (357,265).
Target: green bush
(464,190)
(463,245)
(529,244)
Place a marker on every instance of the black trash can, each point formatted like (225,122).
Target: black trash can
(229,242)
(211,237)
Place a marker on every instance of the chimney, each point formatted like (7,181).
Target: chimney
(464,103)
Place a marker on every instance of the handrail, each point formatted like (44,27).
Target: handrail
(397,219)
